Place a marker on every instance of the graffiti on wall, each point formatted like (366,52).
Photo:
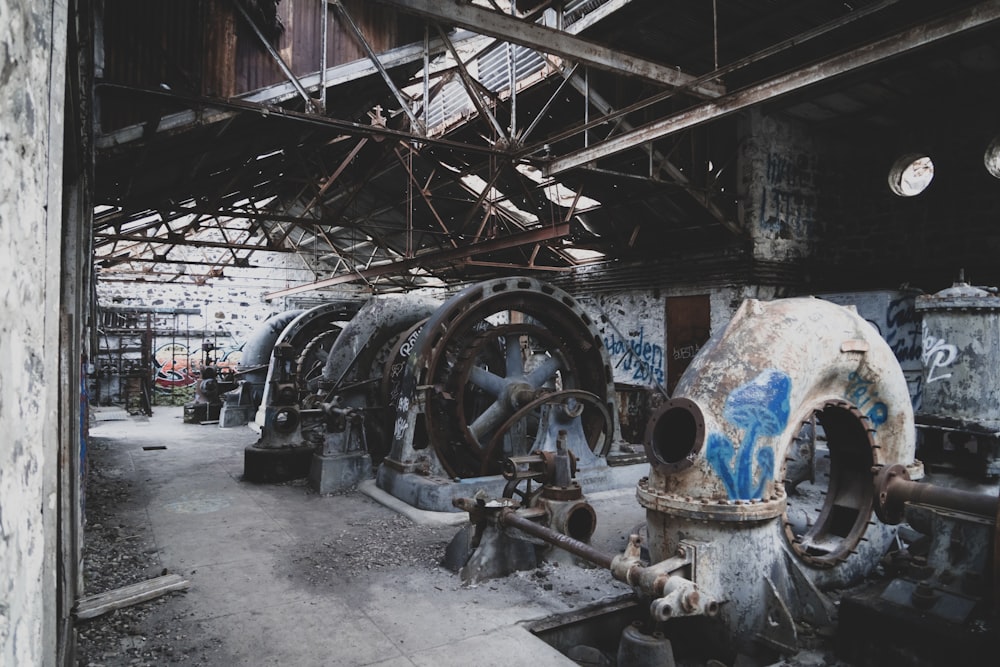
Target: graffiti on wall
(178,365)
(788,199)
(902,332)
(937,356)
(638,357)
(759,407)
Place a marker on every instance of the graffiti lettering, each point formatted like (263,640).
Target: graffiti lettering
(760,407)
(636,355)
(903,336)
(937,354)
(407,347)
(793,172)
(861,391)
(786,211)
(180,366)
(686,352)
(402,421)
(788,200)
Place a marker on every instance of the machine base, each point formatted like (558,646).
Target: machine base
(875,631)
(230,416)
(276,465)
(436,493)
(339,472)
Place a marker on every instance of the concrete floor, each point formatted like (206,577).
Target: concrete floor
(282,575)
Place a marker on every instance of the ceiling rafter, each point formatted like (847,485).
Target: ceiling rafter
(903,42)
(433,258)
(550,40)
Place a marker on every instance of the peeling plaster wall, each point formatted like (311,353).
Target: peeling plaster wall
(632,321)
(32,57)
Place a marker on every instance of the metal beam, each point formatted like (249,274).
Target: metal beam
(865,56)
(470,86)
(277,93)
(282,65)
(415,125)
(189,242)
(674,172)
(434,258)
(343,126)
(549,40)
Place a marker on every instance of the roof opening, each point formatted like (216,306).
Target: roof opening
(911,174)
(991,158)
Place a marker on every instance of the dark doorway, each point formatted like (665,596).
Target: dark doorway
(688,326)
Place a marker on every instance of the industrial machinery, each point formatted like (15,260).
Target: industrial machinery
(959,412)
(352,400)
(789,432)
(297,354)
(240,404)
(499,371)
(213,383)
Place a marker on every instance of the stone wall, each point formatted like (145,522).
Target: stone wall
(184,317)
(32,57)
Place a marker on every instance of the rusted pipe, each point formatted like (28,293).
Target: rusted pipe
(894,488)
(510,519)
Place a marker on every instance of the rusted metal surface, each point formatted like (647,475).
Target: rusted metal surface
(561,405)
(914,38)
(208,48)
(718,451)
(363,367)
(961,351)
(758,380)
(894,489)
(490,352)
(487,22)
(278,415)
(510,518)
(435,258)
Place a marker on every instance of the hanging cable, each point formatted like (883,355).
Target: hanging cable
(715,33)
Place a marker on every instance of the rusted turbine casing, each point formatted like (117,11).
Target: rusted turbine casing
(718,450)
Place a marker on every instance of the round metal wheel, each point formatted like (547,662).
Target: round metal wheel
(312,359)
(496,347)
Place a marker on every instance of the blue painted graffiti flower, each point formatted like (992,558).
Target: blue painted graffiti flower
(760,407)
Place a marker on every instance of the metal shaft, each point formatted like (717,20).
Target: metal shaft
(901,491)
(509,518)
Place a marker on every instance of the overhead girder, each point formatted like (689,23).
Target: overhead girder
(430,259)
(901,43)
(333,195)
(550,40)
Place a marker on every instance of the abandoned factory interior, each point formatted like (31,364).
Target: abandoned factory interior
(415,333)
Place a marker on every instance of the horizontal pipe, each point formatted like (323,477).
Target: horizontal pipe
(902,491)
(510,519)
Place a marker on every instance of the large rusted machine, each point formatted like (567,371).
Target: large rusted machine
(439,394)
(505,368)
(352,403)
(296,358)
(240,404)
(212,385)
(778,470)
